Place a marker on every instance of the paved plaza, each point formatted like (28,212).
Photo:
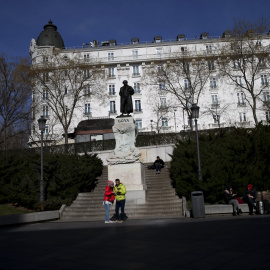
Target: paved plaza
(221,242)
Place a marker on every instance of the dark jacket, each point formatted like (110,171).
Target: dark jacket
(252,192)
(125,93)
(159,161)
(229,196)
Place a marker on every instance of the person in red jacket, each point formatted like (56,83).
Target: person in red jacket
(109,197)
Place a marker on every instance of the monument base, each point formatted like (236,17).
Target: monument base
(132,175)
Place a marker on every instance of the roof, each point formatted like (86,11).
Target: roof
(50,37)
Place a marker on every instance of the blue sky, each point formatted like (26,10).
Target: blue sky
(82,21)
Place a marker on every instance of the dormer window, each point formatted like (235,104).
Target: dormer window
(204,35)
(157,39)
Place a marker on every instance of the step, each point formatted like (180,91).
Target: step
(128,212)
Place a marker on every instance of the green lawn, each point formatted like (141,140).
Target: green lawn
(7,209)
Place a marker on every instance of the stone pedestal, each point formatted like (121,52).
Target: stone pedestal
(124,164)
(132,175)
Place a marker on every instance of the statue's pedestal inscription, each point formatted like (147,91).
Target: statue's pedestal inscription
(124,163)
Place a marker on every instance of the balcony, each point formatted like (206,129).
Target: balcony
(241,104)
(215,125)
(243,124)
(113,112)
(136,74)
(137,111)
(215,106)
(87,114)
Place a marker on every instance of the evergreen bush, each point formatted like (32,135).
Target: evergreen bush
(65,175)
(233,157)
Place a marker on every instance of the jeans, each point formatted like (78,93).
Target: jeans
(251,204)
(120,204)
(235,204)
(107,210)
(158,167)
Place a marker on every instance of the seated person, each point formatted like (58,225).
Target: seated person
(159,163)
(230,198)
(249,197)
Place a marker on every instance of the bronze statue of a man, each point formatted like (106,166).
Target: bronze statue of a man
(126,91)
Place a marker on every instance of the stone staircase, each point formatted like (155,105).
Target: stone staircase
(161,199)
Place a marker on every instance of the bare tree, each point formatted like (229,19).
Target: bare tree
(244,60)
(62,83)
(217,112)
(184,77)
(15,94)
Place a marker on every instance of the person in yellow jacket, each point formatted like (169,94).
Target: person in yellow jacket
(120,191)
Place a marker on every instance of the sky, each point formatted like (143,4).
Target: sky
(81,21)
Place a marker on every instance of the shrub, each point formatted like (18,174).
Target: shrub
(234,157)
(65,175)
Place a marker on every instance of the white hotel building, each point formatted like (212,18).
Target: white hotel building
(220,100)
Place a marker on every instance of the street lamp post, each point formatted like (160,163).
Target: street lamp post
(195,115)
(41,124)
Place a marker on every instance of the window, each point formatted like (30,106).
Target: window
(138,123)
(136,70)
(242,117)
(138,106)
(159,68)
(159,51)
(135,54)
(214,100)
(264,80)
(213,83)
(211,65)
(45,111)
(110,56)
(112,107)
(87,108)
(111,72)
(216,118)
(165,122)
(86,73)
(66,73)
(238,80)
(46,131)
(162,86)
(33,113)
(187,84)
(66,90)
(266,96)
(190,121)
(45,77)
(241,98)
(185,67)
(261,62)
(111,89)
(184,50)
(45,59)
(236,64)
(163,102)
(45,94)
(86,57)
(86,90)
(267,115)
(137,88)
(209,49)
